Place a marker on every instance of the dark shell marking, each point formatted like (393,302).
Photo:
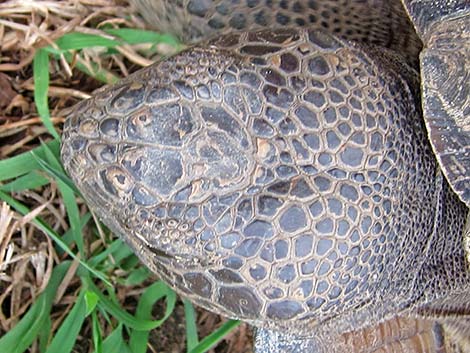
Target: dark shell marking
(271,183)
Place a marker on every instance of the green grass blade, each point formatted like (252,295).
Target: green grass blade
(123,316)
(158,290)
(91,300)
(18,339)
(73,214)
(67,334)
(25,163)
(28,181)
(41,87)
(191,327)
(211,340)
(121,253)
(96,332)
(137,276)
(112,248)
(68,236)
(77,41)
(51,233)
(44,334)
(59,175)
(52,166)
(130,262)
(52,157)
(139,36)
(114,343)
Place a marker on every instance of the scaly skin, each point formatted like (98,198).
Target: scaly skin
(282,177)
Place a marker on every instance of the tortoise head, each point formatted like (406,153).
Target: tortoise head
(270,176)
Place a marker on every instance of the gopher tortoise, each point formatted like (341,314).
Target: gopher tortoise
(280,170)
